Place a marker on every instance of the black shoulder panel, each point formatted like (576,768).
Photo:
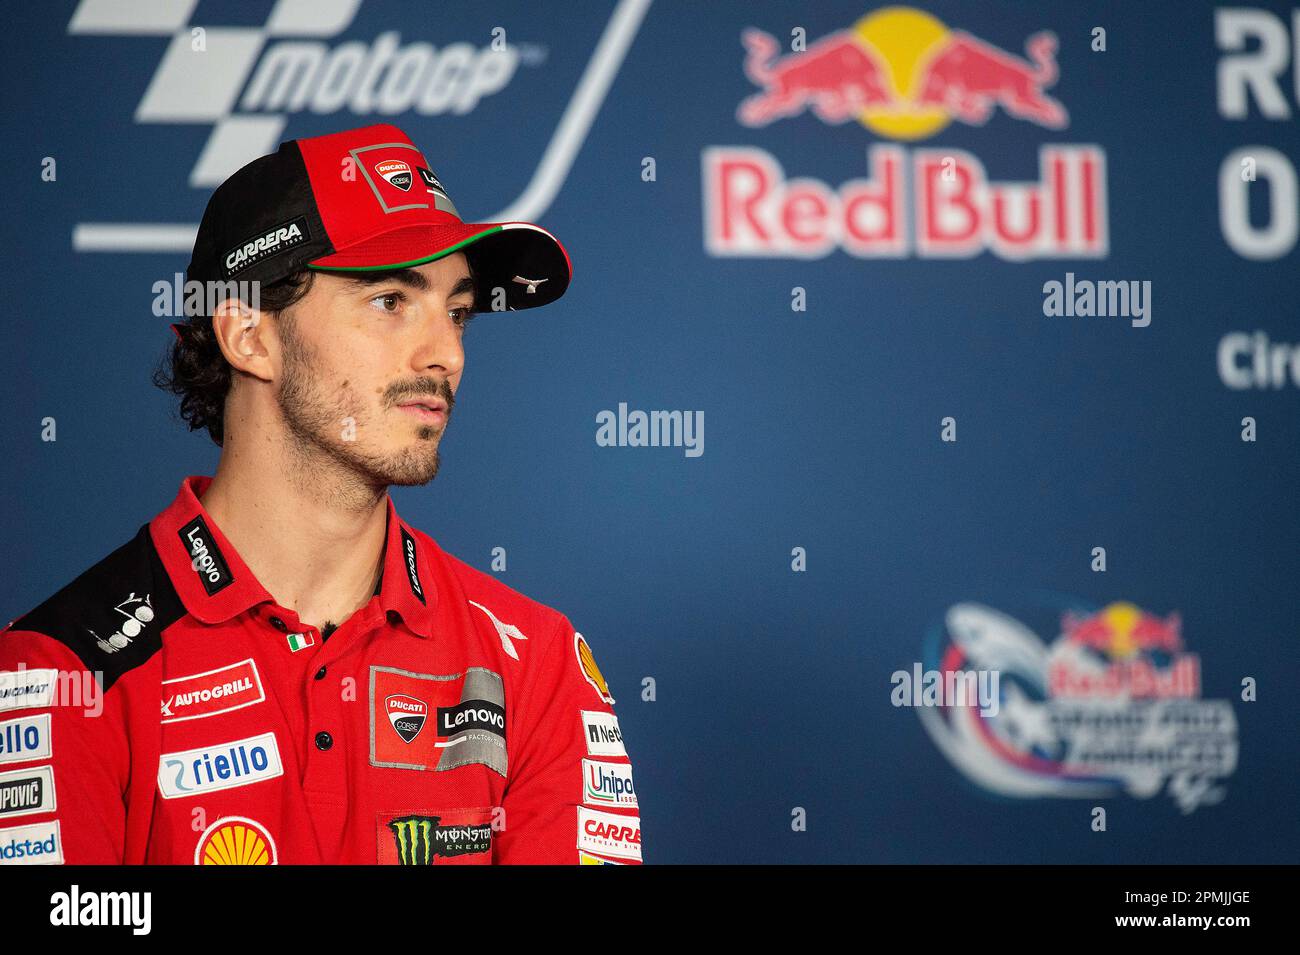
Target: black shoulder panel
(113,615)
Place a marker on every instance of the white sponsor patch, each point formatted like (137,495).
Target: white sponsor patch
(212,692)
(20,689)
(27,791)
(25,738)
(609,833)
(604,738)
(220,766)
(40,844)
(607,784)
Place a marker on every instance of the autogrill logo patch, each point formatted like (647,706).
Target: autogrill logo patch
(273,241)
(420,839)
(213,692)
(408,551)
(205,558)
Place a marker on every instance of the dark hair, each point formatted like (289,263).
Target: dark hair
(197,372)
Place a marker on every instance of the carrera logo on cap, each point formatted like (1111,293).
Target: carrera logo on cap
(395,173)
(407,714)
(206,559)
(273,241)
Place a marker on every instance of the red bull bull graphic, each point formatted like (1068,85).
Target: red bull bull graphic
(904,76)
(1111,706)
(902,73)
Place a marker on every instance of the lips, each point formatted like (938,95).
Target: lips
(430,410)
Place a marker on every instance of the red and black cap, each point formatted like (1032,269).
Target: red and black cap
(363,200)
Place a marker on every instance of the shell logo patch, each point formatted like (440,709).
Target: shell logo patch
(587,663)
(235,840)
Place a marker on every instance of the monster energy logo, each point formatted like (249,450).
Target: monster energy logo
(420,839)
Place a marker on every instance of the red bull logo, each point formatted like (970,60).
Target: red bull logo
(1128,640)
(902,73)
(905,76)
(1122,630)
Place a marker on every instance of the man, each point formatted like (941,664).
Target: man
(278,668)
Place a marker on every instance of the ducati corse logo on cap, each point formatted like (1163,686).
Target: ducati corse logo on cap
(395,173)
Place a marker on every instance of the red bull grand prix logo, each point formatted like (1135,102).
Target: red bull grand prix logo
(1111,705)
(904,76)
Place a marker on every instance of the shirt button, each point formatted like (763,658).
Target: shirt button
(320,674)
(393,617)
(278,624)
(324,741)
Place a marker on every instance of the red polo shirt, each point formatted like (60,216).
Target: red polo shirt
(163,708)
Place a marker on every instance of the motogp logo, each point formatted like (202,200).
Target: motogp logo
(407,714)
(395,173)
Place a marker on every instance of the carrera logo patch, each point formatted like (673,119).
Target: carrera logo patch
(591,672)
(609,834)
(25,738)
(603,735)
(221,766)
(217,691)
(205,558)
(396,173)
(407,714)
(26,791)
(273,241)
(461,836)
(31,845)
(20,689)
(469,725)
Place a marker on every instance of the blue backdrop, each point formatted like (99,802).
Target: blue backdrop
(751,604)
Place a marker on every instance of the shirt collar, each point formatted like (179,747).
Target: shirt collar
(215,584)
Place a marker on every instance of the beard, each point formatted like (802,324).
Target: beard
(331,425)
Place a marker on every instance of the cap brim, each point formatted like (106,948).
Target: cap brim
(525,261)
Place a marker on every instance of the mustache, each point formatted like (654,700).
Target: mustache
(436,389)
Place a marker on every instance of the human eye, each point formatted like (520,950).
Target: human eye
(389,302)
(462,316)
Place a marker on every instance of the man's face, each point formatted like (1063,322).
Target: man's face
(371,364)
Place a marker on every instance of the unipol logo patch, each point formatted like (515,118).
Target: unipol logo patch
(395,173)
(407,714)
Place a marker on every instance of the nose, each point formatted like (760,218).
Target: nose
(440,347)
